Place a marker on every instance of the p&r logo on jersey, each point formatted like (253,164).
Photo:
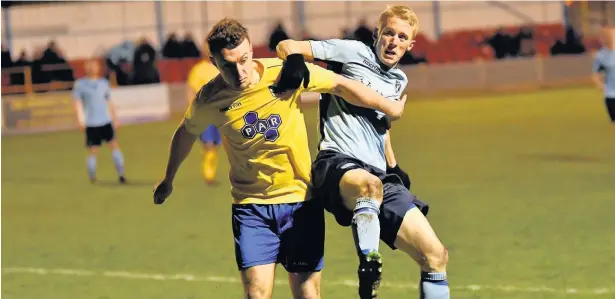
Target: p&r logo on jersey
(268,126)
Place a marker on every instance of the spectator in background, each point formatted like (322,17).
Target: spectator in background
(7,60)
(347,34)
(364,34)
(279,34)
(54,64)
(17,78)
(501,43)
(172,47)
(119,59)
(524,42)
(144,64)
(189,48)
(572,44)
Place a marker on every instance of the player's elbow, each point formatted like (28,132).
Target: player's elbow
(341,86)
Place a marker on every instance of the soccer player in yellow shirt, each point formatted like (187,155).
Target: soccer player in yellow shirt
(200,74)
(254,104)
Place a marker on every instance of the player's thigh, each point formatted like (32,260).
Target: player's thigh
(303,243)
(417,238)
(256,242)
(357,183)
(258,281)
(302,236)
(108,132)
(93,137)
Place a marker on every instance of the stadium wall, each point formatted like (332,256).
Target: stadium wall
(138,104)
(89,28)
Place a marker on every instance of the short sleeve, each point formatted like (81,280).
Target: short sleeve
(338,50)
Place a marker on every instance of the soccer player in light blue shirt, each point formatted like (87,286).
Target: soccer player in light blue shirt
(604,64)
(355,173)
(92,95)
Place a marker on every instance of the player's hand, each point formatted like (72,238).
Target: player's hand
(294,71)
(397,108)
(162,191)
(405,179)
(116,124)
(282,49)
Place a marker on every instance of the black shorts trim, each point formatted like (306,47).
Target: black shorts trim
(95,136)
(327,171)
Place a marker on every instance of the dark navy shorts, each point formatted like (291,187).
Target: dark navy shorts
(290,234)
(211,135)
(327,171)
(95,136)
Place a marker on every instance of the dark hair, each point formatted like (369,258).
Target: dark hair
(226,34)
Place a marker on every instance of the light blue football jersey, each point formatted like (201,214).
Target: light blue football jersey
(355,131)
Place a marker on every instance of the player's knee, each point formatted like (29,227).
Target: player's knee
(371,187)
(305,285)
(436,260)
(258,291)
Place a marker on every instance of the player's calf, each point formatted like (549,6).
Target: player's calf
(362,193)
(417,238)
(91,163)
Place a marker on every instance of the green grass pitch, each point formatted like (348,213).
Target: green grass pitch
(521,187)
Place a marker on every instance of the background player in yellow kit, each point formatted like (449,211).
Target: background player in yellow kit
(254,104)
(199,75)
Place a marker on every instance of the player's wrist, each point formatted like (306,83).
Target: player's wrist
(295,59)
(393,169)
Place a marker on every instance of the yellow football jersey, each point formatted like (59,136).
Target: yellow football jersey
(264,136)
(200,74)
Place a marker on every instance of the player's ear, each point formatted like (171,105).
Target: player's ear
(412,43)
(375,36)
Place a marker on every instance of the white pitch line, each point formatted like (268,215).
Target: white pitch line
(347,282)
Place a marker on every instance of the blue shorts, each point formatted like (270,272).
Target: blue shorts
(211,135)
(290,234)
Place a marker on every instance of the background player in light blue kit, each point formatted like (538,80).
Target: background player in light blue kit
(350,172)
(92,92)
(604,63)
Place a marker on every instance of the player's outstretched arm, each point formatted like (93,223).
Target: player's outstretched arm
(356,93)
(289,46)
(181,145)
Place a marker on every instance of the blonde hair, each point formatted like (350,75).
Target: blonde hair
(400,11)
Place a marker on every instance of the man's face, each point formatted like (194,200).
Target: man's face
(236,65)
(394,41)
(92,68)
